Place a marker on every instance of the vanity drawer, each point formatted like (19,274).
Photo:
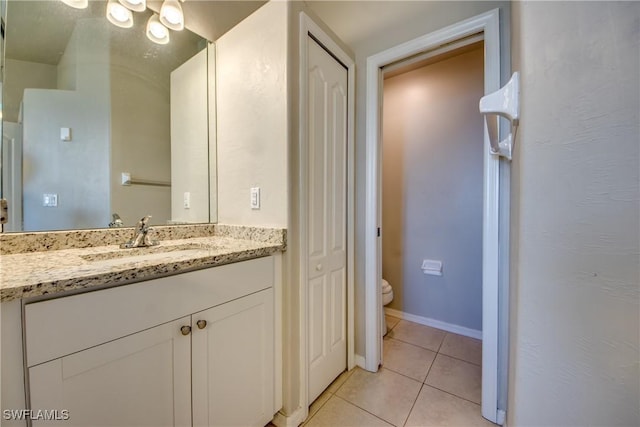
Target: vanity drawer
(62,326)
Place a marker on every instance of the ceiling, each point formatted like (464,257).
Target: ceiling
(211,19)
(354,22)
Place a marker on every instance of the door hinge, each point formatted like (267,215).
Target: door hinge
(378,231)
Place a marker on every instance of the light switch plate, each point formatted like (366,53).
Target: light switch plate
(187,200)
(50,200)
(65,134)
(255,198)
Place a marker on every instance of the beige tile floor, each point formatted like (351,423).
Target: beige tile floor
(429,378)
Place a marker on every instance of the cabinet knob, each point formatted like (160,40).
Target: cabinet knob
(201,324)
(318,267)
(185,330)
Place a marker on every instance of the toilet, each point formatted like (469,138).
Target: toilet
(387,297)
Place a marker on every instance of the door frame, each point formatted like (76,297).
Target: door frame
(495,208)
(310,28)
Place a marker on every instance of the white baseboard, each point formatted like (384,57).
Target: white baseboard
(360,361)
(449,327)
(293,420)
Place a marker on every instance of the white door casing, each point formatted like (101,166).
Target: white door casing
(326,232)
(310,28)
(495,219)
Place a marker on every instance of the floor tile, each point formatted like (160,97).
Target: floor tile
(391,321)
(437,408)
(337,383)
(318,403)
(337,412)
(407,359)
(386,394)
(460,347)
(457,377)
(414,333)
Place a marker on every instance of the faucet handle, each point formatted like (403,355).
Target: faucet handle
(142,224)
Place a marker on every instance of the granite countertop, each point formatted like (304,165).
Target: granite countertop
(30,274)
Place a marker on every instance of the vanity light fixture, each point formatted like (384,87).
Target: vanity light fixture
(78,4)
(119,15)
(156,32)
(135,5)
(171,15)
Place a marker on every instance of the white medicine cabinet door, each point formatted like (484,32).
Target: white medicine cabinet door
(233,363)
(143,379)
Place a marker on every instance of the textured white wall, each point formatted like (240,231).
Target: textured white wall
(252,134)
(21,75)
(575,266)
(432,169)
(83,189)
(190,140)
(140,145)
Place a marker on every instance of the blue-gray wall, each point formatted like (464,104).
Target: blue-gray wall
(432,189)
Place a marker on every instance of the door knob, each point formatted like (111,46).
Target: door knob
(185,330)
(201,324)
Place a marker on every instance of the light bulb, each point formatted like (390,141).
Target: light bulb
(135,5)
(119,15)
(78,4)
(171,15)
(156,32)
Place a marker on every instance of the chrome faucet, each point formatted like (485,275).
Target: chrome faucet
(116,221)
(141,237)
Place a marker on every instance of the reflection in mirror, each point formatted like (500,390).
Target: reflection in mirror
(87,102)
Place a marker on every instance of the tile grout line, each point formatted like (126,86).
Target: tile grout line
(345,380)
(407,376)
(444,391)
(331,394)
(424,383)
(454,357)
(461,360)
(442,342)
(410,343)
(316,413)
(420,391)
(359,407)
(451,394)
(413,405)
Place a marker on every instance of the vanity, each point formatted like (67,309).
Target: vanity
(179,334)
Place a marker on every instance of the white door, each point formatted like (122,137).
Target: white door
(327,243)
(142,379)
(233,363)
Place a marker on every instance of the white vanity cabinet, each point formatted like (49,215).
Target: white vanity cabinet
(140,379)
(233,359)
(197,348)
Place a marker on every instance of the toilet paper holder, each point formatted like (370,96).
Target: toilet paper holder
(505,102)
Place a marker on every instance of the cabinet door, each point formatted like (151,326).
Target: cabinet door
(139,380)
(233,363)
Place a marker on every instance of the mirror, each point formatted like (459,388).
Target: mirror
(87,119)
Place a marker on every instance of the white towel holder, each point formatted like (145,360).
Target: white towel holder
(505,103)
